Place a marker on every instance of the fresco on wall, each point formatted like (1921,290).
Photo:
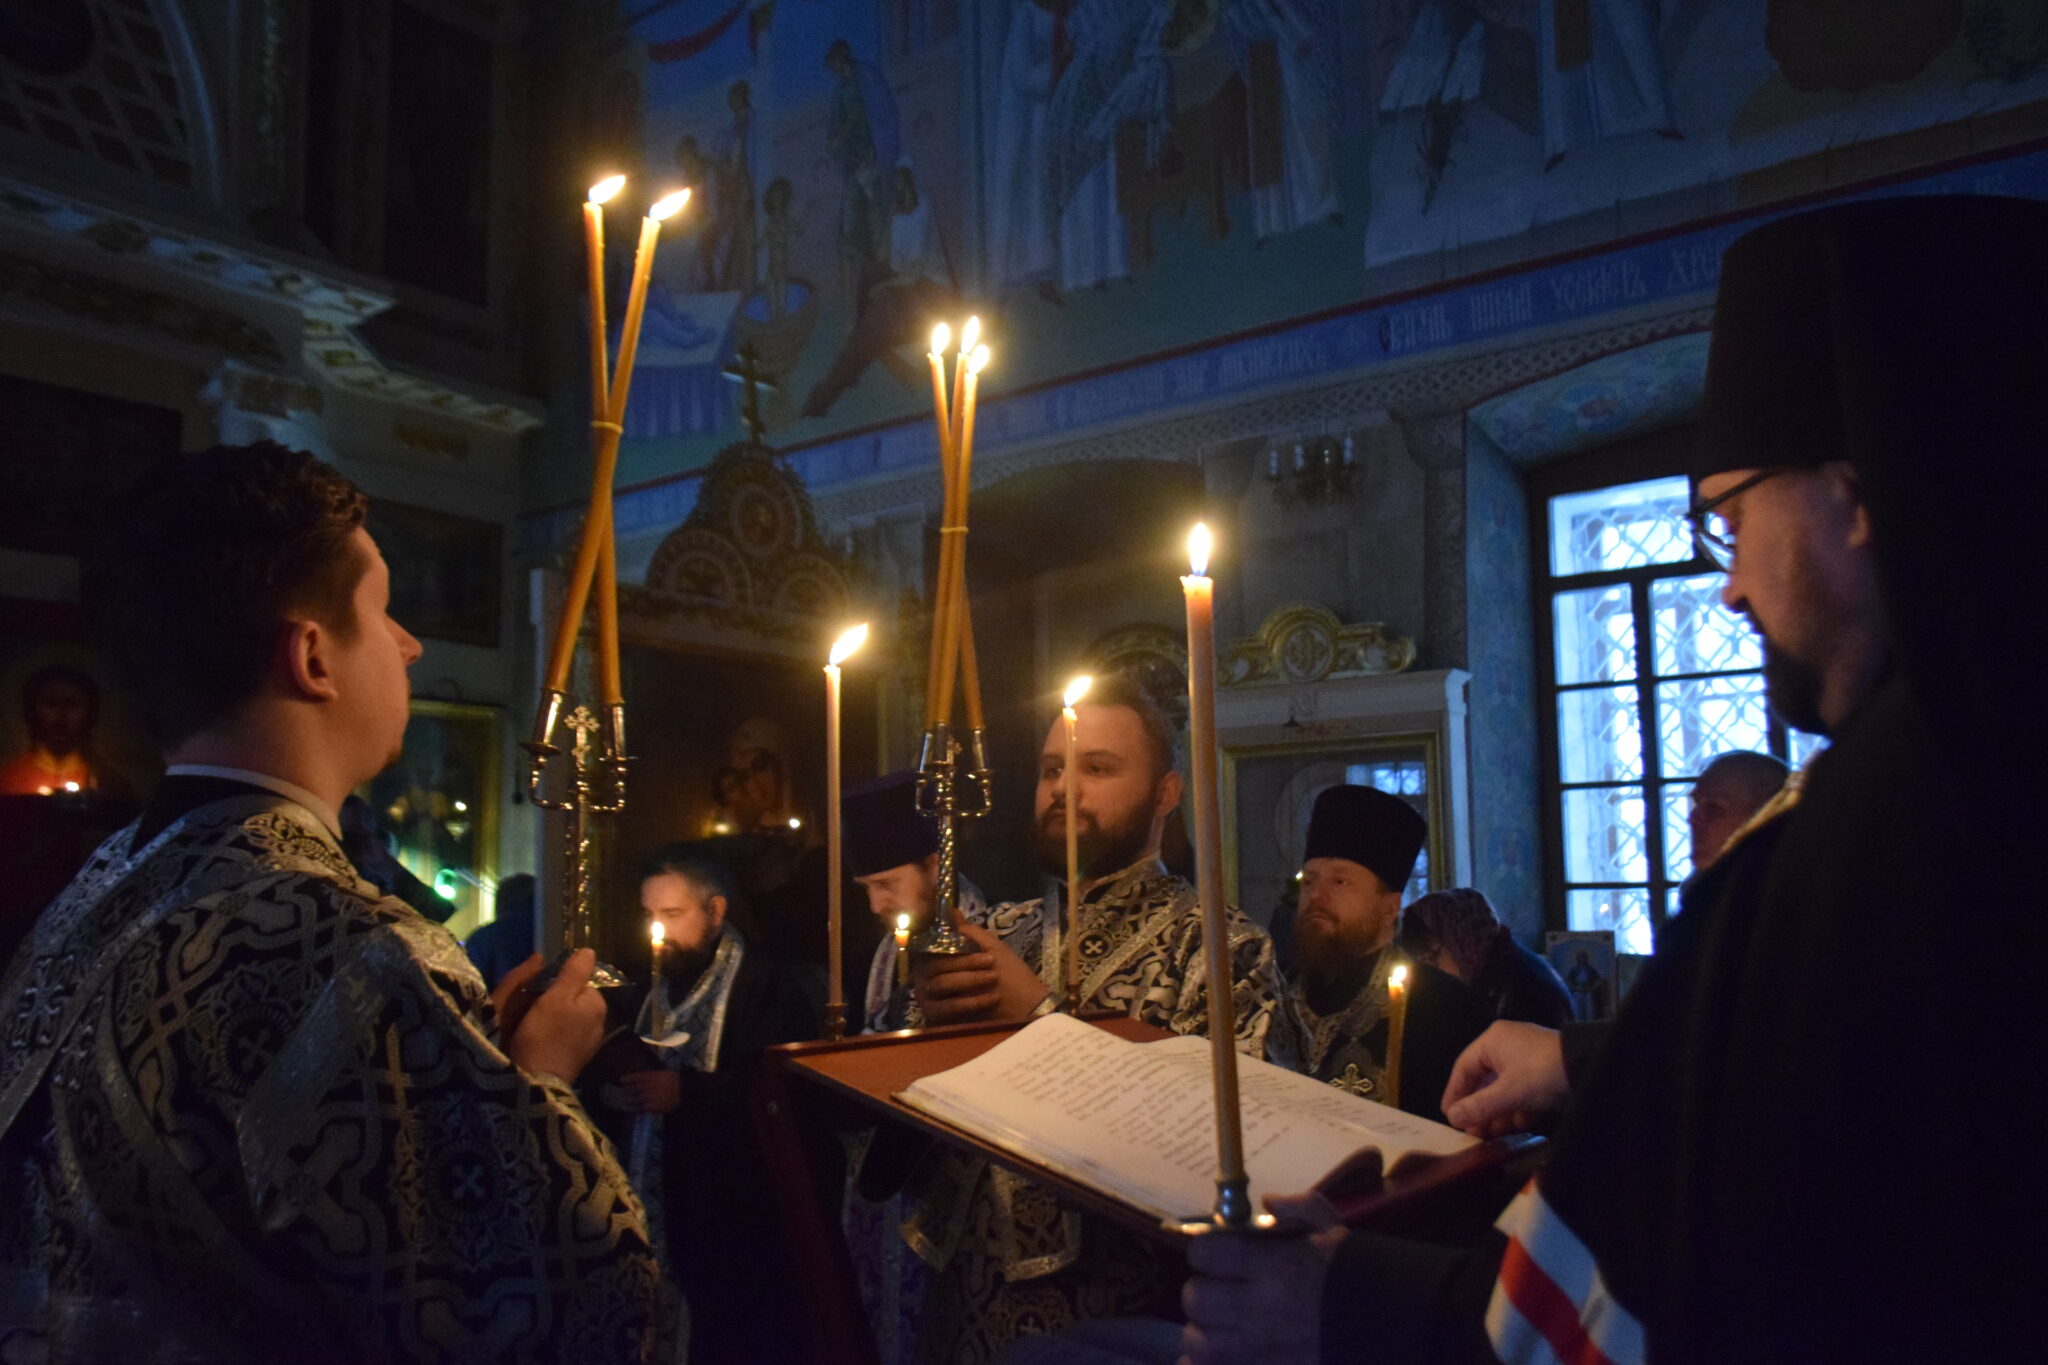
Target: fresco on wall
(1110,179)
(1497,117)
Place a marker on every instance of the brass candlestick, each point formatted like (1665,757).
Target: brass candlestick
(592,771)
(952,785)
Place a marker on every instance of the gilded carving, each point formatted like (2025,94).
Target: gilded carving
(1305,643)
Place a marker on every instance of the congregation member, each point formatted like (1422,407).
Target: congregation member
(892,854)
(1009,1257)
(1729,793)
(1804,1141)
(1459,932)
(496,948)
(1332,1018)
(714,1005)
(251,1109)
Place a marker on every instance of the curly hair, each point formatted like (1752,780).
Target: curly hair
(201,563)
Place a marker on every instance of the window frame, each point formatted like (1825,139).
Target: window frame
(1664,454)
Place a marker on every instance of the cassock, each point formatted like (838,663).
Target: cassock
(251,1109)
(1813,1132)
(1338,1032)
(1011,1258)
(700,1167)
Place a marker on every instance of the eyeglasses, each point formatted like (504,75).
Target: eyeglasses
(1710,528)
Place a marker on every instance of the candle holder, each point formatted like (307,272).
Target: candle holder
(948,792)
(596,786)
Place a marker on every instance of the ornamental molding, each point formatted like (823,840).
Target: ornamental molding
(121,271)
(746,570)
(1431,388)
(1303,643)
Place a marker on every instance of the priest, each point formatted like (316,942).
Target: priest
(892,854)
(1010,1257)
(1804,1141)
(1333,1019)
(252,1109)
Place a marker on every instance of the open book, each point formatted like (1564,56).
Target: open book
(1137,1120)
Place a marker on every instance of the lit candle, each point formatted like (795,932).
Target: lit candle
(903,949)
(835,991)
(596,540)
(1397,1024)
(1233,1207)
(593,240)
(657,936)
(942,336)
(961,630)
(970,337)
(1076,690)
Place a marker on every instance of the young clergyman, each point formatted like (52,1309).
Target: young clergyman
(250,1108)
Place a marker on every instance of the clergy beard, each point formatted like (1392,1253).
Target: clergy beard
(1793,688)
(1103,849)
(1328,951)
(682,969)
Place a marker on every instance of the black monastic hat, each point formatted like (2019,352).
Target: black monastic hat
(1369,827)
(1881,331)
(883,829)
(1908,336)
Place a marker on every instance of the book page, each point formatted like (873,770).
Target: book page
(1137,1119)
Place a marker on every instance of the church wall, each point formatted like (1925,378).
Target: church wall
(167,257)
(1361,556)
(1260,164)
(1507,840)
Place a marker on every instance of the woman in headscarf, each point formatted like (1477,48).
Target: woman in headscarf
(1458,932)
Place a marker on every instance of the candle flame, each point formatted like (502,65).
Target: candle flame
(657,933)
(604,189)
(969,335)
(978,360)
(1199,544)
(903,923)
(942,337)
(1076,690)
(1397,979)
(843,648)
(669,207)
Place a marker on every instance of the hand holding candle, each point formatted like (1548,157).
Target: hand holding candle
(835,989)
(1076,690)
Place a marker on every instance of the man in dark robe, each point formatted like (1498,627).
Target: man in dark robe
(252,1109)
(714,1005)
(1332,1018)
(892,854)
(1010,1258)
(1805,1139)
